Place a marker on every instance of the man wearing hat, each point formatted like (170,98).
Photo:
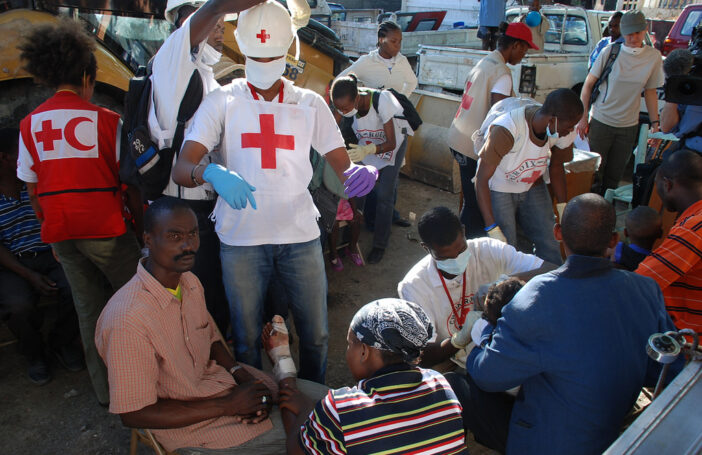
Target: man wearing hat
(264,216)
(611,123)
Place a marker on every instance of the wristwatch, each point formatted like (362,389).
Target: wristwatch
(234,369)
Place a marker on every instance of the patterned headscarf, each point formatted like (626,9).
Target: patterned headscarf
(393,325)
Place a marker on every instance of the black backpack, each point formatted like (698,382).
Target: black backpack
(409,113)
(616,47)
(142,164)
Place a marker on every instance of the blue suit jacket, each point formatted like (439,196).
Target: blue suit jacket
(575,340)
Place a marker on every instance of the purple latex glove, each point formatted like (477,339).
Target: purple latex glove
(361,180)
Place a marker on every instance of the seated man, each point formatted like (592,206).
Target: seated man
(28,270)
(521,146)
(168,369)
(574,339)
(445,281)
(676,264)
(396,406)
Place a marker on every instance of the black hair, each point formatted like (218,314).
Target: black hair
(588,224)
(439,227)
(9,138)
(498,296)
(57,54)
(643,225)
(345,86)
(391,358)
(504,41)
(678,62)
(386,27)
(684,167)
(563,103)
(182,13)
(160,207)
(617,15)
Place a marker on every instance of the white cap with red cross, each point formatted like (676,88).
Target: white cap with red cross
(267,29)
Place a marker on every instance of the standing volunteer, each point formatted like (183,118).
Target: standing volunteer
(521,145)
(612,126)
(614,33)
(68,155)
(382,142)
(385,68)
(195,45)
(488,82)
(538,24)
(264,216)
(492,14)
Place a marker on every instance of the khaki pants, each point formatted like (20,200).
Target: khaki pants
(95,269)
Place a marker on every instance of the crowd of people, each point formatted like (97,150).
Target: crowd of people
(484,337)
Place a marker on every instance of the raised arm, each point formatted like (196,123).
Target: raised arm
(205,18)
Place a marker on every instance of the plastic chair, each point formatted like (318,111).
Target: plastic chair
(146,437)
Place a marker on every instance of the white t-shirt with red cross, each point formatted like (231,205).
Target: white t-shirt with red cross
(370,129)
(268,144)
(489,258)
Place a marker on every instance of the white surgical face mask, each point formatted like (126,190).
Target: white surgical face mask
(554,134)
(632,50)
(210,55)
(350,113)
(264,75)
(455,266)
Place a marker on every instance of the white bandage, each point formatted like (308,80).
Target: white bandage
(283,364)
(284,368)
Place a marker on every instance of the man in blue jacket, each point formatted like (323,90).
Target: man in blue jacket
(574,339)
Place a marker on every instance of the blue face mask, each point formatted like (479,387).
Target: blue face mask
(551,135)
(454,266)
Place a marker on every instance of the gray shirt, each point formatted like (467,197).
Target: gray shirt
(620,96)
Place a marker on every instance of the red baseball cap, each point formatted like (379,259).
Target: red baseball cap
(521,31)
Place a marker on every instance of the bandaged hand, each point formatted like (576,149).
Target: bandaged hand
(496,233)
(358,152)
(460,339)
(361,180)
(230,186)
(276,342)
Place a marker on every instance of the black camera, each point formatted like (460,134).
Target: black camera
(683,84)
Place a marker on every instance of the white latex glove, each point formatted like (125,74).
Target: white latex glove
(358,152)
(460,339)
(559,209)
(496,233)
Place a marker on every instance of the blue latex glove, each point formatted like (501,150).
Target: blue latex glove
(230,186)
(361,180)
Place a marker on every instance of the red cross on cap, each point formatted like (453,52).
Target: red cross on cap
(263,36)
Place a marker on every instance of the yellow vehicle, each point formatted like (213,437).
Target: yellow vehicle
(129,32)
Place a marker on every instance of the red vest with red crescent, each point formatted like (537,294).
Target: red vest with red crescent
(73,145)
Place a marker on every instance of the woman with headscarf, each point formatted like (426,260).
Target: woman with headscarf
(395,404)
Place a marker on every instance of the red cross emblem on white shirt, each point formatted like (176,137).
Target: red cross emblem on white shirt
(267,141)
(533,177)
(263,36)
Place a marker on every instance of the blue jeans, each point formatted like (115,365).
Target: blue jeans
(247,270)
(533,210)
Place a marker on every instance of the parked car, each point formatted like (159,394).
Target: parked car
(679,36)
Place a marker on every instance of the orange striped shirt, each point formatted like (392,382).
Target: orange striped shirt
(676,265)
(156,347)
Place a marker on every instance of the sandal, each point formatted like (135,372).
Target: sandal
(355,257)
(336,264)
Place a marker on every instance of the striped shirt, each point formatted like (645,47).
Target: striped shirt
(157,347)
(19,228)
(676,265)
(400,410)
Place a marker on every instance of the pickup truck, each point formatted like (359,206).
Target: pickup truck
(418,28)
(573,34)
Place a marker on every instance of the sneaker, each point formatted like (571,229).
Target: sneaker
(375,256)
(337,265)
(355,257)
(38,371)
(70,357)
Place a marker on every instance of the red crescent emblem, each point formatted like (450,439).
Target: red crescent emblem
(70,133)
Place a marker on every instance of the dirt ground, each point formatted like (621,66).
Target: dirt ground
(64,416)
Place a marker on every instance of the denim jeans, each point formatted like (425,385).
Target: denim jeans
(471,217)
(96,268)
(384,194)
(247,271)
(533,210)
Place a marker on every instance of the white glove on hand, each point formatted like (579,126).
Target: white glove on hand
(496,233)
(460,339)
(559,210)
(358,152)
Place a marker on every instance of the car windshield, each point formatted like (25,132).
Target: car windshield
(575,29)
(692,20)
(133,39)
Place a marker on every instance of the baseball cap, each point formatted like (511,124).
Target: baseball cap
(520,31)
(632,22)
